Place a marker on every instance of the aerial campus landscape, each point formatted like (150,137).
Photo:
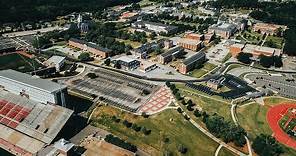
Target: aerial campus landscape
(148,78)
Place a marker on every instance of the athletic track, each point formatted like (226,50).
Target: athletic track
(274,115)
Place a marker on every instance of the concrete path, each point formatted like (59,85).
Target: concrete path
(218,149)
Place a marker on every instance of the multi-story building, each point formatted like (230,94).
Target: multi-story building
(55,61)
(127,63)
(190,44)
(172,53)
(224,30)
(194,36)
(147,66)
(255,50)
(41,90)
(270,29)
(155,27)
(96,50)
(191,62)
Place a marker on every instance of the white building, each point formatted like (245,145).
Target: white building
(33,88)
(56,61)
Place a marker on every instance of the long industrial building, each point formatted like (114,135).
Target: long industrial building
(33,88)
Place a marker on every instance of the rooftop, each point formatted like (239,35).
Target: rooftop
(171,51)
(223,26)
(29,80)
(56,59)
(125,59)
(194,57)
(189,41)
(29,125)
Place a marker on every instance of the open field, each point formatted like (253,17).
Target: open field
(224,152)
(18,62)
(253,119)
(168,124)
(207,67)
(207,103)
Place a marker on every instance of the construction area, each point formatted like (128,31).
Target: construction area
(118,90)
(27,126)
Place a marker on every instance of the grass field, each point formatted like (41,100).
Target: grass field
(198,73)
(168,124)
(224,152)
(253,119)
(277,41)
(18,62)
(219,106)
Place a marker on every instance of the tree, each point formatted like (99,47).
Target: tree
(91,75)
(107,62)
(244,57)
(182,149)
(277,61)
(152,35)
(266,145)
(84,56)
(266,61)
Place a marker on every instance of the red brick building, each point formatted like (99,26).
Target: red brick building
(96,50)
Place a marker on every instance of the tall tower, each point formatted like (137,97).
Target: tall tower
(79,20)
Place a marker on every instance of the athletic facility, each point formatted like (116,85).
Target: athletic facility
(274,116)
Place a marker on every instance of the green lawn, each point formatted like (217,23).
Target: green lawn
(18,62)
(168,124)
(253,119)
(198,73)
(224,152)
(226,58)
(209,66)
(207,104)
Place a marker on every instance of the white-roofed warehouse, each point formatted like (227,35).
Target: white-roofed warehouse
(40,90)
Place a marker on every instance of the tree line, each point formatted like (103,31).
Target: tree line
(34,10)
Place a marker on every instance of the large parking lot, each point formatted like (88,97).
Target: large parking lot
(118,90)
(284,86)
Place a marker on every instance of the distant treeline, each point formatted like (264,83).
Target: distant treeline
(34,10)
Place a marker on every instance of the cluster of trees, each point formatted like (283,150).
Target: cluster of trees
(134,126)
(265,61)
(174,90)
(85,56)
(266,145)
(32,10)
(136,36)
(228,131)
(244,57)
(269,61)
(104,34)
(121,143)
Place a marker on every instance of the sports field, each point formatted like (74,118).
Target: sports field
(274,115)
(18,62)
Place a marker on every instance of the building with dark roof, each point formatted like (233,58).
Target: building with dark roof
(7,46)
(191,62)
(172,53)
(95,49)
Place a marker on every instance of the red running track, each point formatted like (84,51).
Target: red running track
(274,115)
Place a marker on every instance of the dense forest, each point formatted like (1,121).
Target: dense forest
(34,10)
